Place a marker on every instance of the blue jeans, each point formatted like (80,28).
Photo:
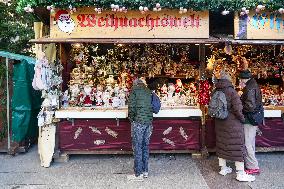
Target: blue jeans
(141,134)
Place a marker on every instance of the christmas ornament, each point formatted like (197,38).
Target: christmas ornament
(260,7)
(211,61)
(225,12)
(50,7)
(228,49)
(244,9)
(182,10)
(98,10)
(29,9)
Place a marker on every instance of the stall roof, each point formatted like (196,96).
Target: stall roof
(124,40)
(210,40)
(13,56)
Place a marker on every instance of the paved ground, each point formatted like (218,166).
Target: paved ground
(105,171)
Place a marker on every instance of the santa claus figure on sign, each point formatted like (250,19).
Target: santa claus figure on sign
(64,21)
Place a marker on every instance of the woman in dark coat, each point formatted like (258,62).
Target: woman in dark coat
(230,143)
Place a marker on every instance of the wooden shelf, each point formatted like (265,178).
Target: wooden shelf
(171,77)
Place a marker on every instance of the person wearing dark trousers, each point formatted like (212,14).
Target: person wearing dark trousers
(140,114)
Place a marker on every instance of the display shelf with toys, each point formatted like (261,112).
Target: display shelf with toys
(95,94)
(102,75)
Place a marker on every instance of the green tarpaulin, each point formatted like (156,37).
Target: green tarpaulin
(25,102)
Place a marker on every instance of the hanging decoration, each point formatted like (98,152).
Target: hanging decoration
(204,92)
(48,80)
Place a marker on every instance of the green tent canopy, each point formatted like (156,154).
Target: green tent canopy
(25,101)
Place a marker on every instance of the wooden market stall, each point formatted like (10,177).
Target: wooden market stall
(103,127)
(178,127)
(262,33)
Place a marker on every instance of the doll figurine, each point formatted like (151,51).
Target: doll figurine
(178,86)
(74,94)
(164,89)
(122,98)
(109,89)
(170,96)
(99,95)
(116,90)
(106,98)
(115,102)
(88,91)
(65,99)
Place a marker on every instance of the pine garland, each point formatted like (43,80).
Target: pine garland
(213,5)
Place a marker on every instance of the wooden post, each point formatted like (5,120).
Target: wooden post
(8,103)
(204,151)
(58,156)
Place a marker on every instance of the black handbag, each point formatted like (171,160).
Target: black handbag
(256,118)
